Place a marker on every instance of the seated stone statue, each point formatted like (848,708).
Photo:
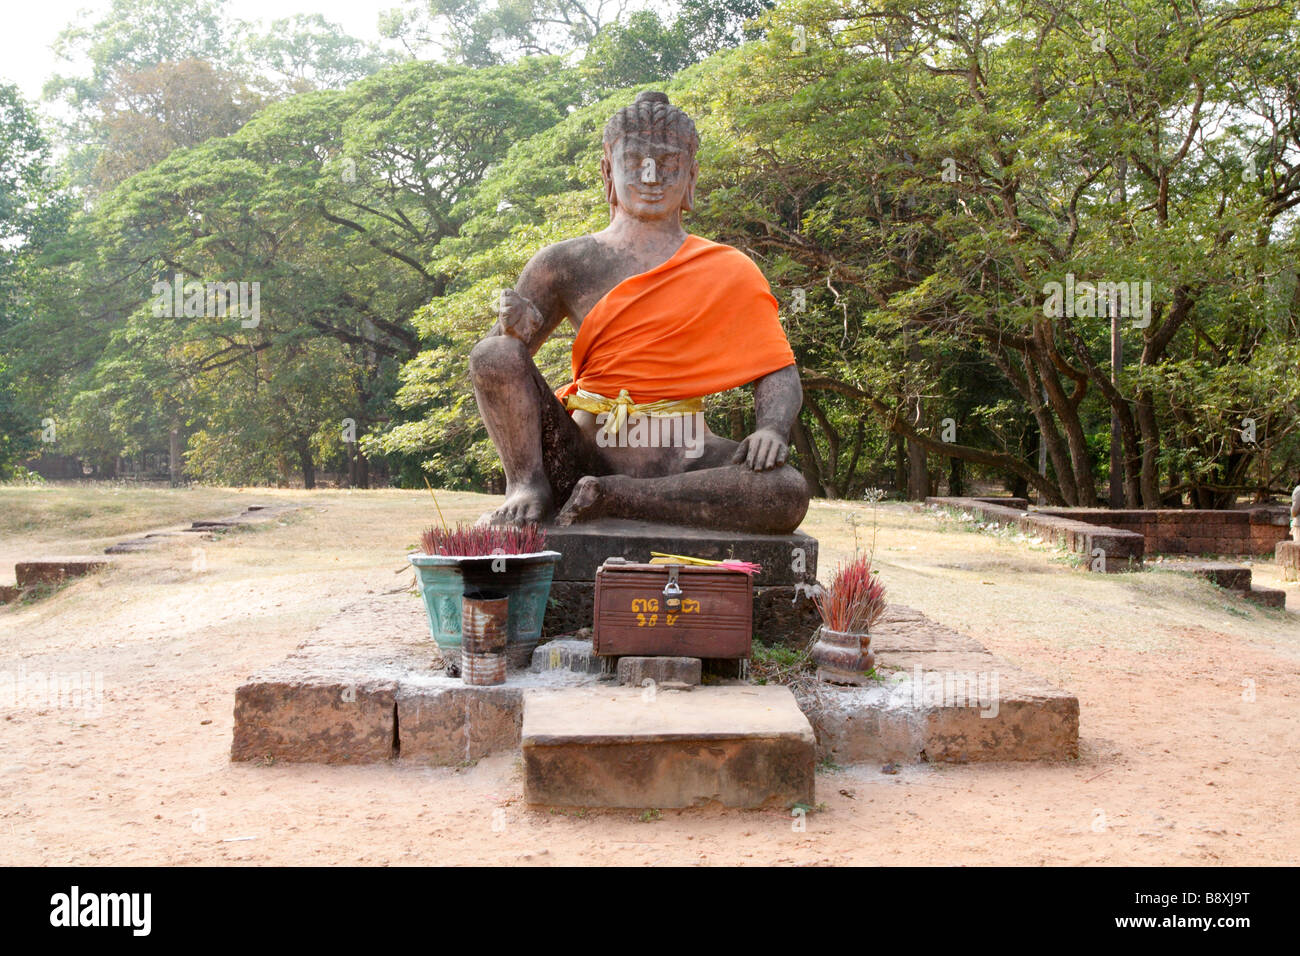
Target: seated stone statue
(662,319)
(1295,513)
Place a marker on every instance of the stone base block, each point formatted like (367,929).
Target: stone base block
(787,559)
(940,697)
(635,671)
(934,717)
(321,720)
(1234,577)
(1266,597)
(56,570)
(454,725)
(367,687)
(568,654)
(9,593)
(616,747)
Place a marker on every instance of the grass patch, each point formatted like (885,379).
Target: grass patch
(778,664)
(107,509)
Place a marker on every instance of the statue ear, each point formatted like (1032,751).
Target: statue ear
(688,198)
(607,174)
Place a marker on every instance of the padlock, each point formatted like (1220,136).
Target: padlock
(672,591)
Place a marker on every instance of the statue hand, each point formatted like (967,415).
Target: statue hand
(762,451)
(520,319)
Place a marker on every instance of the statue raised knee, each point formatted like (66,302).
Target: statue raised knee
(663,319)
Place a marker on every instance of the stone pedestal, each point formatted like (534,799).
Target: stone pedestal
(782,610)
(365,688)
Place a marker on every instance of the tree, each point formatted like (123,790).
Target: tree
(33,214)
(307,52)
(930,177)
(145,115)
(330,204)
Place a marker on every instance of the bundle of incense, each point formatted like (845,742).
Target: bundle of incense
(731,564)
(466,540)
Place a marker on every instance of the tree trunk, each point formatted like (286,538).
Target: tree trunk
(918,475)
(1148,475)
(306,464)
(807,458)
(956,482)
(736,422)
(174,456)
(363,469)
(900,465)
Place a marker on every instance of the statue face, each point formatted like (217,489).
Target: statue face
(650,178)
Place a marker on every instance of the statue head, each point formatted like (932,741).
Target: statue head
(649,166)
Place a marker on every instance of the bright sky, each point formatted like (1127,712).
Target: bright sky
(31,26)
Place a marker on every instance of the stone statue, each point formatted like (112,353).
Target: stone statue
(662,318)
(1295,513)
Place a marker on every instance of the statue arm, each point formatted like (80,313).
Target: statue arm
(531,310)
(778,396)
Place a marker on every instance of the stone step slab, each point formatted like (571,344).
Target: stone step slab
(364,688)
(622,747)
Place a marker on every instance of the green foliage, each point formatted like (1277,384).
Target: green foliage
(333,204)
(910,177)
(33,215)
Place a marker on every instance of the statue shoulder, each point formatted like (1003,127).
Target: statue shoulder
(739,264)
(559,263)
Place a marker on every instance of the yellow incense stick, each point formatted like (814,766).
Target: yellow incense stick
(435,502)
(684,559)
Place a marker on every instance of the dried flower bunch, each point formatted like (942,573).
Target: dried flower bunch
(469,541)
(854,600)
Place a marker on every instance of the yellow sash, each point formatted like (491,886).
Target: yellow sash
(623,406)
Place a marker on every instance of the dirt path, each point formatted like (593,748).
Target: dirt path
(1190,703)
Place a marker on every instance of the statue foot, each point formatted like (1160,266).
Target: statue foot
(585,503)
(524,504)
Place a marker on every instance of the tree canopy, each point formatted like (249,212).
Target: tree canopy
(949,198)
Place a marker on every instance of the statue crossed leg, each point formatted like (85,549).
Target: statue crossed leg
(552,462)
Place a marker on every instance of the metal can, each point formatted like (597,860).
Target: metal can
(484,618)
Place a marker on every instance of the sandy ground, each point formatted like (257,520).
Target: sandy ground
(1190,703)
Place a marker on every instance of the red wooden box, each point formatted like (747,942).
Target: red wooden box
(638,613)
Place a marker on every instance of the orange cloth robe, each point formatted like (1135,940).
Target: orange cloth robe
(702,322)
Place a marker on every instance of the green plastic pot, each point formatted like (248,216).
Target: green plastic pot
(525,579)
